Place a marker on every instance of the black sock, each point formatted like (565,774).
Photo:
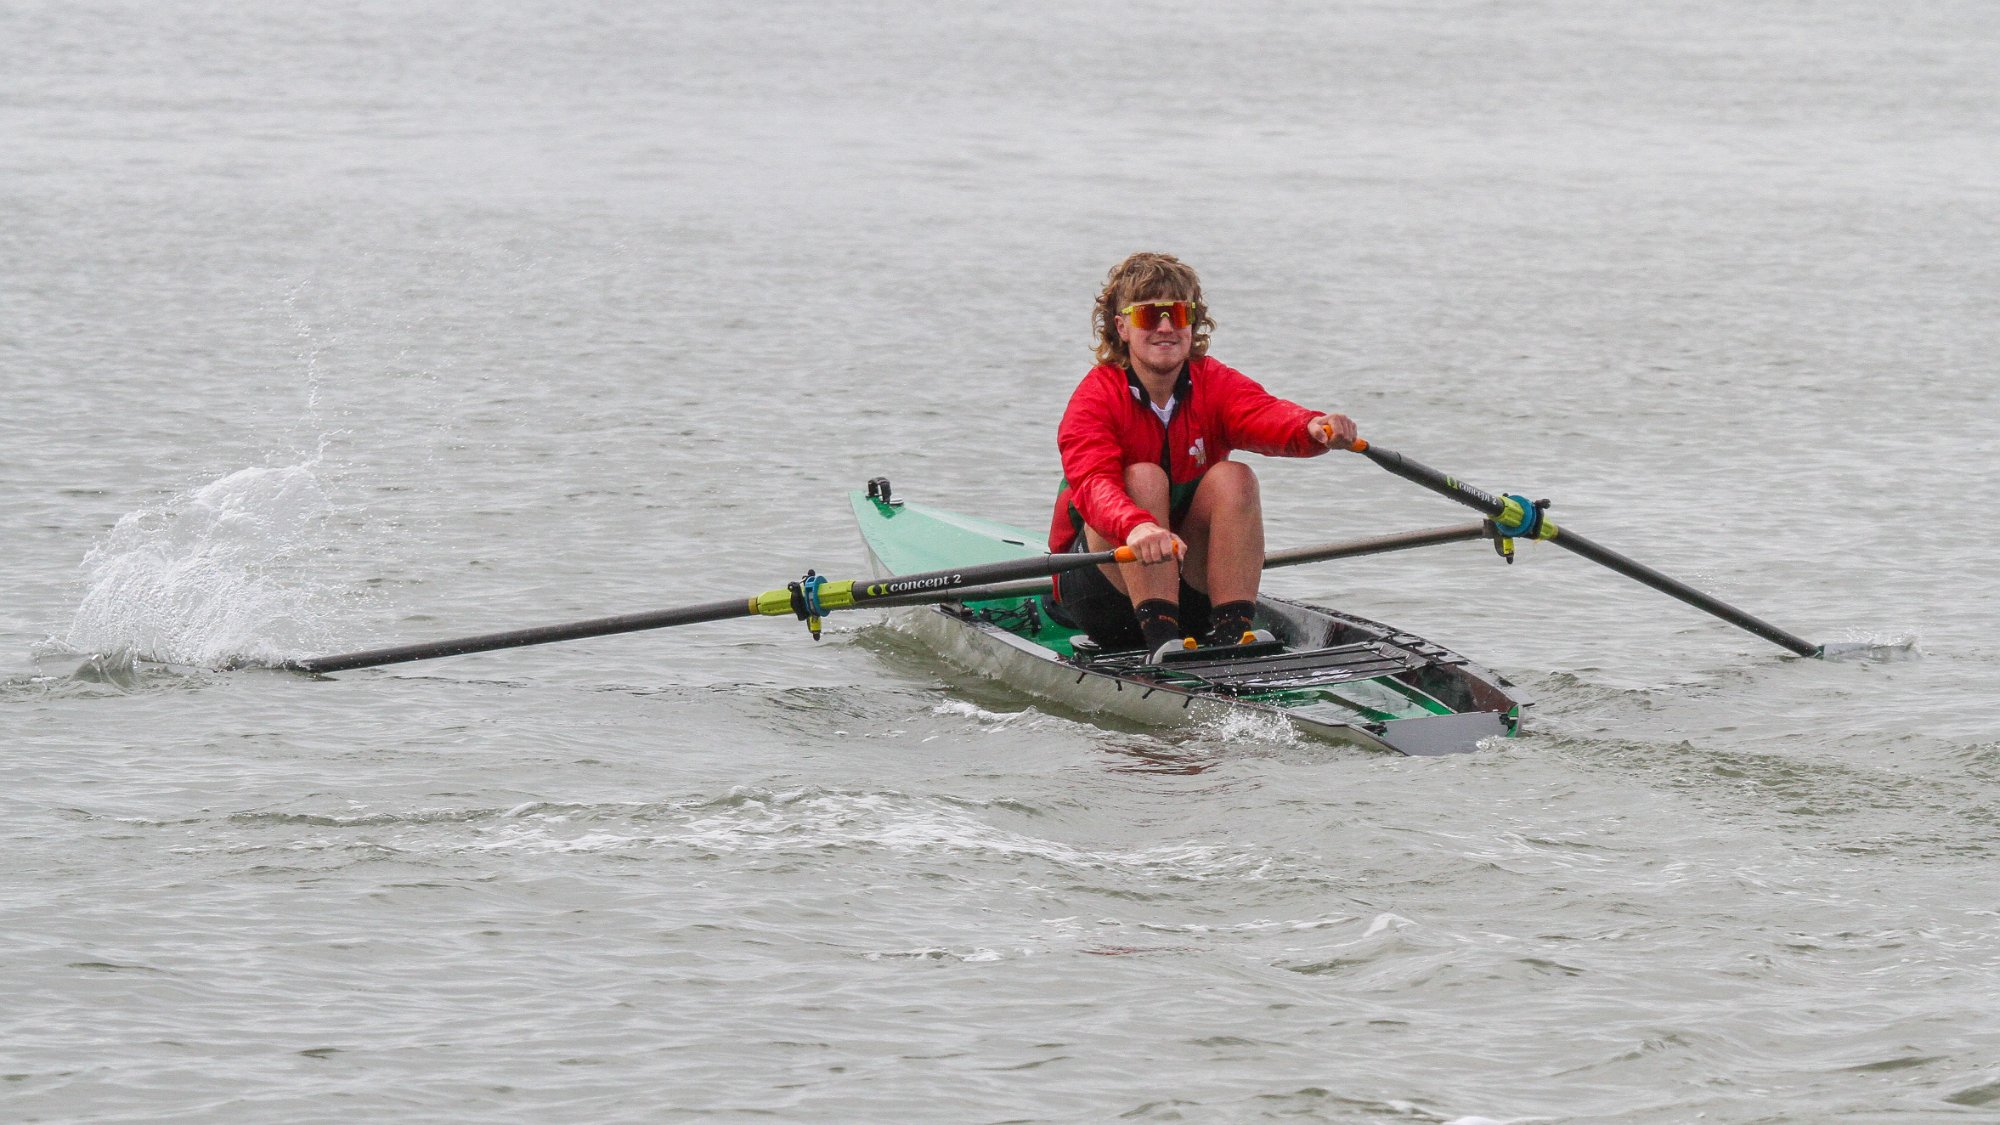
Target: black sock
(1229,621)
(1159,622)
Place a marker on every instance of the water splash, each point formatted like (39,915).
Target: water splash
(1873,647)
(1238,726)
(215,574)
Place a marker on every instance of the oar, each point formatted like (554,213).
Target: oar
(1295,556)
(1376,545)
(806,599)
(1515,516)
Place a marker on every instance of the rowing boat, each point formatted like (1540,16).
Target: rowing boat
(1330,674)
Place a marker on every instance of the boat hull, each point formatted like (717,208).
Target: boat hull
(1335,677)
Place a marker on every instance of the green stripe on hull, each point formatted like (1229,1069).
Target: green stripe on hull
(907,538)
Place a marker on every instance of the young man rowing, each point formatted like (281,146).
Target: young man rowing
(1145,454)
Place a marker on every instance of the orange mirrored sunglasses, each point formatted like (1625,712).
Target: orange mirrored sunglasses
(1148,315)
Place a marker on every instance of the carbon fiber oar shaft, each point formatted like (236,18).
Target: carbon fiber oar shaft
(1509,511)
(930,586)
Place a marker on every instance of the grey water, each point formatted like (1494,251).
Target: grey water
(333,325)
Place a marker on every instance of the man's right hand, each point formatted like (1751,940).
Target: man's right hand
(1155,544)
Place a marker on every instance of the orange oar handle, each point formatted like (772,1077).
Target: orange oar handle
(1360,445)
(1127,554)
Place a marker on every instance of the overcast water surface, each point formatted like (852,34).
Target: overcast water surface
(334,325)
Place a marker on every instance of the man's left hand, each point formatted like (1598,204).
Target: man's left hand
(1335,430)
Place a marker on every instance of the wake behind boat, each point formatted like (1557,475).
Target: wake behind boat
(1330,674)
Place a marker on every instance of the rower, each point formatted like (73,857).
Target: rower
(1145,446)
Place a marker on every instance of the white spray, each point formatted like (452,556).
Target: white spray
(222,571)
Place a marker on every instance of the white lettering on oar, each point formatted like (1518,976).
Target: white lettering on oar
(940,582)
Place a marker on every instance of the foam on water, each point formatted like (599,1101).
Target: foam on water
(1870,647)
(967,710)
(1237,726)
(217,573)
(812,821)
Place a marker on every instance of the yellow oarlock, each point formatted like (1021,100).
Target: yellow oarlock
(778,603)
(1517,515)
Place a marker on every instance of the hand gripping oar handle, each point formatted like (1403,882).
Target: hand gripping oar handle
(905,589)
(1510,512)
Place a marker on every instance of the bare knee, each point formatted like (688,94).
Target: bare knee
(1147,485)
(1231,482)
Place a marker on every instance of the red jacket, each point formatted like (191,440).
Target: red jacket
(1110,424)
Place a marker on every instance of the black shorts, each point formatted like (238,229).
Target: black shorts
(1093,604)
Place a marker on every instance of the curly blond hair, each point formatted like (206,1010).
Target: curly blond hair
(1146,276)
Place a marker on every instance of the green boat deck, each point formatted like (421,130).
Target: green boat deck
(906,538)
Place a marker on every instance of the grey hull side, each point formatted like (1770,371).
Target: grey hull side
(988,650)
